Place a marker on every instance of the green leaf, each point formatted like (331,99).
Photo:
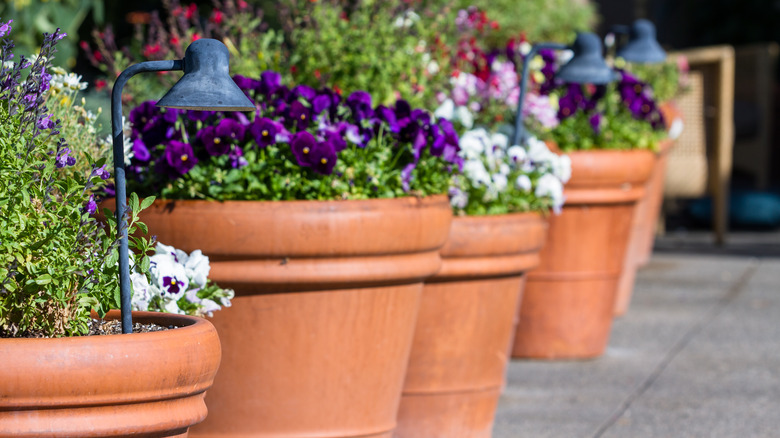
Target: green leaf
(43,280)
(147,202)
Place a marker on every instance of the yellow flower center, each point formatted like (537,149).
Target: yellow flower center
(306,150)
(638,88)
(173,282)
(303,116)
(265,133)
(217,140)
(185,157)
(324,161)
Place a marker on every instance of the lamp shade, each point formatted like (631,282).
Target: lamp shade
(206,84)
(587,66)
(642,46)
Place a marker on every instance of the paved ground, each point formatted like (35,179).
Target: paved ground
(697,355)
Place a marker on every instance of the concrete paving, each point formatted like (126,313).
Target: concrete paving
(697,355)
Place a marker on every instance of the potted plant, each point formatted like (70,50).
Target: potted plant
(661,82)
(63,373)
(324,214)
(468,310)
(609,132)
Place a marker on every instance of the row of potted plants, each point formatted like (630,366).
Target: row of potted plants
(354,289)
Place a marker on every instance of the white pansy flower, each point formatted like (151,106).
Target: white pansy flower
(197,268)
(472,143)
(406,19)
(523,182)
(464,116)
(500,182)
(550,186)
(561,167)
(525,48)
(517,154)
(446,110)
(169,276)
(500,140)
(504,169)
(142,295)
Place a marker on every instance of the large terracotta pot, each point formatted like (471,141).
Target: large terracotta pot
(140,384)
(640,245)
(568,304)
(317,340)
(465,326)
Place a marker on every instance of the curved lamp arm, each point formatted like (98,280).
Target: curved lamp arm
(519,135)
(119,177)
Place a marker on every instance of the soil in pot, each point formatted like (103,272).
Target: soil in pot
(141,384)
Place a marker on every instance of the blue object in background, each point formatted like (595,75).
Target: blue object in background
(746,209)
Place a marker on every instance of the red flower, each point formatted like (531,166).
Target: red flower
(84,45)
(195,36)
(150,50)
(242,5)
(101,84)
(216,17)
(317,74)
(98,56)
(191,10)
(174,40)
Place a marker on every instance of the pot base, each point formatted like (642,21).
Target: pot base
(452,415)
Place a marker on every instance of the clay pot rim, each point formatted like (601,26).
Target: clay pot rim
(503,217)
(429,199)
(191,323)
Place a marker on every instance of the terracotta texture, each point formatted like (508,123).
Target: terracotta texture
(465,326)
(568,303)
(643,229)
(317,340)
(139,385)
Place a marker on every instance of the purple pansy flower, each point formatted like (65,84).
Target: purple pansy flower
(323,157)
(245,83)
(299,115)
(237,159)
(199,116)
(360,104)
(264,131)
(218,140)
(270,81)
(171,285)
(595,122)
(179,157)
(304,92)
(140,151)
(302,145)
(387,115)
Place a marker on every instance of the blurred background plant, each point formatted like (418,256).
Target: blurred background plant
(31,18)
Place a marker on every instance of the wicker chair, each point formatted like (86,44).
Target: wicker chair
(701,161)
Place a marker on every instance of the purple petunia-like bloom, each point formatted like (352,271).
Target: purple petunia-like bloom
(180,157)
(140,151)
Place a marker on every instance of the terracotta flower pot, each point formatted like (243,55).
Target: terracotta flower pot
(640,245)
(655,186)
(141,384)
(465,326)
(568,304)
(317,340)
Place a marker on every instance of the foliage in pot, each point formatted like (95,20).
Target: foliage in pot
(468,309)
(362,218)
(59,264)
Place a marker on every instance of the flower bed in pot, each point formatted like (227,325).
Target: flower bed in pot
(322,214)
(468,310)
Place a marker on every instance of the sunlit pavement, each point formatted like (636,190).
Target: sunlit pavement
(697,355)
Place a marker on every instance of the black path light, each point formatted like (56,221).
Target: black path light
(587,66)
(642,46)
(206,85)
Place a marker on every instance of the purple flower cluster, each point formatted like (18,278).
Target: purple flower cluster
(637,96)
(313,125)
(575,100)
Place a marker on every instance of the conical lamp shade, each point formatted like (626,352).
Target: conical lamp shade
(206,84)
(587,66)
(642,46)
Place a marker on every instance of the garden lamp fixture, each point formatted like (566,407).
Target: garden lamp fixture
(587,66)
(642,46)
(206,85)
